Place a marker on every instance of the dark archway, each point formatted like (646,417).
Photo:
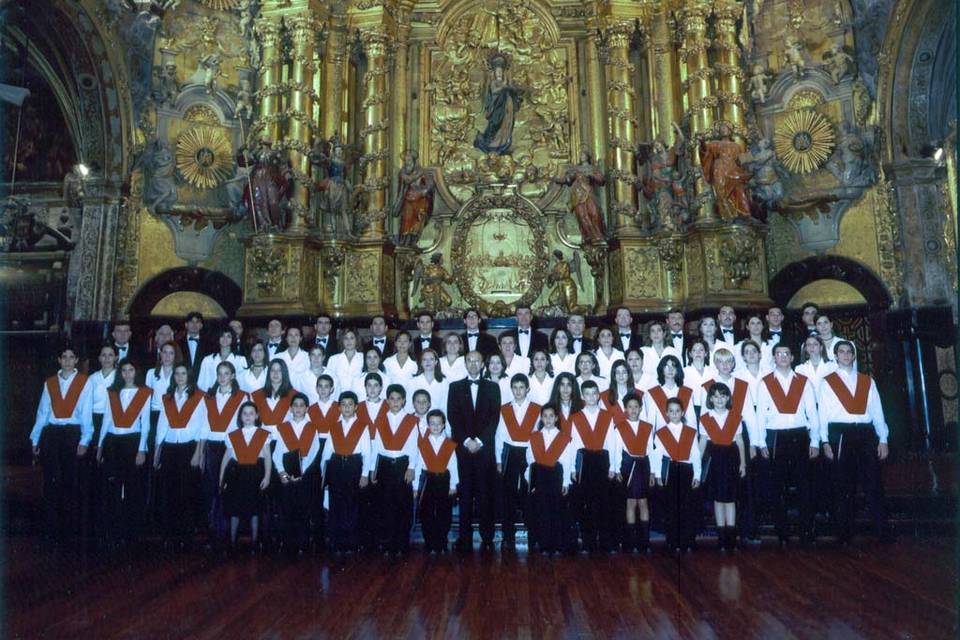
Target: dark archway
(794,276)
(225,291)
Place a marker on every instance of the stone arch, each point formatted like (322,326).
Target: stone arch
(794,276)
(213,284)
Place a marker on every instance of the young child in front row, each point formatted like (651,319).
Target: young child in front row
(594,444)
(518,419)
(245,472)
(550,460)
(347,472)
(297,459)
(636,441)
(437,480)
(722,440)
(676,466)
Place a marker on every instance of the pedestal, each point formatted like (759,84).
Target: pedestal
(279,275)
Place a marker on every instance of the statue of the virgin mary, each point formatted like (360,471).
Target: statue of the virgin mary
(501,100)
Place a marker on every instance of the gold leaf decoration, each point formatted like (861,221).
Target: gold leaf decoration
(222,5)
(204,157)
(804,141)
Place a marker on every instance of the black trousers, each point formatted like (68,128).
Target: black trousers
(297,507)
(855,461)
(477,471)
(435,510)
(58,457)
(394,503)
(790,467)
(343,477)
(550,520)
(210,482)
(91,487)
(682,504)
(123,486)
(593,495)
(152,506)
(179,489)
(746,507)
(513,489)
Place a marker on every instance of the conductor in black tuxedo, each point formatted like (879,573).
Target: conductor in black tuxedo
(473,410)
(527,339)
(379,339)
(677,335)
(424,338)
(624,337)
(474,339)
(192,346)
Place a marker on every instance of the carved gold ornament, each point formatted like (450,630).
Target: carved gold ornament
(804,141)
(204,157)
(222,5)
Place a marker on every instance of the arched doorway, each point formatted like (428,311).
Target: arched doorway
(222,290)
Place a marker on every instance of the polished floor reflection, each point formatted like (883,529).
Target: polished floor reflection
(904,590)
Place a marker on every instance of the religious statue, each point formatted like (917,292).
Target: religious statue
(244,105)
(758,83)
(720,160)
(501,101)
(793,56)
(74,187)
(430,280)
(160,187)
(211,71)
(165,87)
(837,62)
(335,193)
(582,178)
(271,187)
(564,293)
(663,184)
(238,184)
(849,163)
(414,203)
(761,162)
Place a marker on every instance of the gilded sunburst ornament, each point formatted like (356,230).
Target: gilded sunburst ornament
(204,157)
(804,141)
(222,5)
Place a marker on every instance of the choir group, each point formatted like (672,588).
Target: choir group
(330,444)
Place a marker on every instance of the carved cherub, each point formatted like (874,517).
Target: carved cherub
(757,85)
(838,62)
(794,57)
(244,107)
(211,71)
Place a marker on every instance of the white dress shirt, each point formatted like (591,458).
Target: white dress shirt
(306,383)
(831,410)
(435,442)
(694,379)
(816,373)
(566,364)
(409,447)
(345,370)
(208,368)
(749,411)
(273,348)
(659,452)
(540,391)
(455,371)
(141,424)
(437,389)
(359,383)
(602,383)
(576,344)
(206,433)
(400,374)
(621,448)
(518,364)
(249,382)
(609,440)
(191,432)
(770,417)
(651,360)
(100,383)
(523,341)
(606,361)
(82,412)
(502,436)
(159,380)
(297,364)
(658,418)
(363,446)
(281,449)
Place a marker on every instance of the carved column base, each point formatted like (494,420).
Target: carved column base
(702,268)
(279,275)
(726,264)
(359,279)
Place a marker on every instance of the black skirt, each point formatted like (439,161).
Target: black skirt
(636,476)
(723,475)
(242,497)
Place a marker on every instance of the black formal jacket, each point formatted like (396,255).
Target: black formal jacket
(388,347)
(140,357)
(636,341)
(332,345)
(538,340)
(688,339)
(467,421)
(586,344)
(486,343)
(436,343)
(202,350)
(738,335)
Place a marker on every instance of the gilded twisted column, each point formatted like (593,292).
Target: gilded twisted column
(664,88)
(376,150)
(400,97)
(620,119)
(333,75)
(700,101)
(299,112)
(268,30)
(729,75)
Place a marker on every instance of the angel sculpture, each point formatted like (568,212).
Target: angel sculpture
(414,203)
(793,56)
(564,293)
(758,83)
(837,62)
(334,203)
(430,279)
(211,71)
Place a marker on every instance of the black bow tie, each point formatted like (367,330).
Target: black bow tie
(273,344)
(324,339)
(677,335)
(379,340)
(121,347)
(194,339)
(525,331)
(424,339)
(476,382)
(472,335)
(775,330)
(577,339)
(624,335)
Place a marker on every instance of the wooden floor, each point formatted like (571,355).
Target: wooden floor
(905,590)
